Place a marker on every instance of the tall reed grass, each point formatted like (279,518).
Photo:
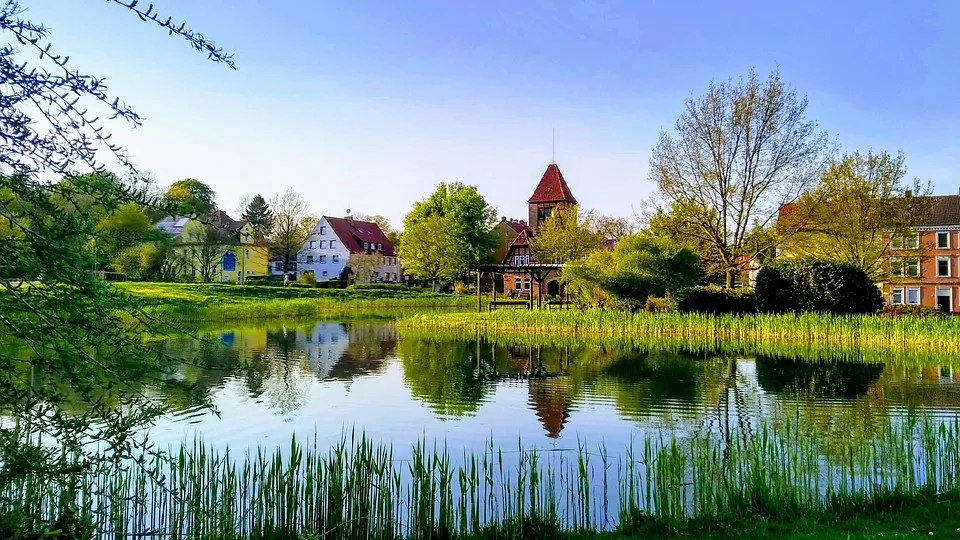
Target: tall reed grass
(811,337)
(361,489)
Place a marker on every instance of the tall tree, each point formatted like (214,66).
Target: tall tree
(74,331)
(470,221)
(431,250)
(612,227)
(292,224)
(567,235)
(260,217)
(189,197)
(381,221)
(851,212)
(738,153)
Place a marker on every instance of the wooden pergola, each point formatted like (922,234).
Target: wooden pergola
(535,271)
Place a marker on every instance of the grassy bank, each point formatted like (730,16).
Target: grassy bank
(811,337)
(216,301)
(775,478)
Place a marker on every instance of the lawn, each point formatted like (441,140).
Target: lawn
(221,301)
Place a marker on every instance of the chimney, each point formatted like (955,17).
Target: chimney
(503,218)
(908,193)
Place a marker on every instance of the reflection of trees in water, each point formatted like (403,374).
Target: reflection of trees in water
(832,380)
(443,373)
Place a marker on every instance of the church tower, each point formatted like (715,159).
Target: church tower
(551,194)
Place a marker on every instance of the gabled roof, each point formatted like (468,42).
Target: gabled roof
(222,220)
(173,225)
(944,211)
(517,225)
(523,239)
(552,187)
(353,233)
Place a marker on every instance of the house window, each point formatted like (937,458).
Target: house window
(911,241)
(521,260)
(896,296)
(943,240)
(335,259)
(913,295)
(309,259)
(323,244)
(943,266)
(517,285)
(323,259)
(246,252)
(379,246)
(366,245)
(229,262)
(905,266)
(333,244)
(912,266)
(526,284)
(312,244)
(323,229)
(543,213)
(324,273)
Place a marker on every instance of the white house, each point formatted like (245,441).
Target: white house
(339,242)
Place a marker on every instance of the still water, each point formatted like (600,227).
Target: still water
(316,380)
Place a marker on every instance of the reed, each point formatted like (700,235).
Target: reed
(361,489)
(809,336)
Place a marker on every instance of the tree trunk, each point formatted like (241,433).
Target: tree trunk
(729,278)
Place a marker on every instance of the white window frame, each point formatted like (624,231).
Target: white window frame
(527,284)
(944,234)
(946,259)
(517,284)
(907,295)
(909,263)
(366,245)
(333,244)
(893,296)
(897,241)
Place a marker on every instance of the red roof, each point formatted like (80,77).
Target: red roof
(353,233)
(523,239)
(517,225)
(552,187)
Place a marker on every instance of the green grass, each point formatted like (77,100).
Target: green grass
(810,336)
(775,480)
(217,301)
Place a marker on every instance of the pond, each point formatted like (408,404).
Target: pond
(271,380)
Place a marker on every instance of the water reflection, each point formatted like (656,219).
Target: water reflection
(327,375)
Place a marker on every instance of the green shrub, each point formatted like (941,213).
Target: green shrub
(307,278)
(332,284)
(716,300)
(911,310)
(799,285)
(658,304)
(461,288)
(380,286)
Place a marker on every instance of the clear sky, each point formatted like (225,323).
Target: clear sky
(368,104)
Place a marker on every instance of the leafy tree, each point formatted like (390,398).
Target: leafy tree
(292,225)
(73,331)
(738,154)
(363,266)
(125,228)
(636,268)
(260,217)
(565,236)
(381,221)
(672,223)
(469,218)
(850,214)
(431,251)
(189,197)
(611,227)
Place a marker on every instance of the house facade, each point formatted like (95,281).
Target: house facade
(336,243)
(506,231)
(551,194)
(216,249)
(925,263)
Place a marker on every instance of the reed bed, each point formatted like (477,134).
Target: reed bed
(362,489)
(811,337)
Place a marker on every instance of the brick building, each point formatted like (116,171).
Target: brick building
(552,193)
(925,265)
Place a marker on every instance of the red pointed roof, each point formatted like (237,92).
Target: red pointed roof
(353,233)
(522,239)
(552,187)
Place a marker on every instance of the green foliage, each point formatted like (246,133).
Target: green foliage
(716,300)
(565,236)
(189,197)
(797,285)
(850,214)
(657,304)
(307,278)
(907,310)
(431,250)
(260,217)
(380,286)
(447,233)
(637,267)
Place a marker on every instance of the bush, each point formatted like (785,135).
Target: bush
(332,284)
(658,304)
(717,301)
(798,285)
(892,311)
(460,288)
(380,286)
(307,278)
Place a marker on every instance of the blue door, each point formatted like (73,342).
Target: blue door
(229,262)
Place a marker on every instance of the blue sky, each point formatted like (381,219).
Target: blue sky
(368,105)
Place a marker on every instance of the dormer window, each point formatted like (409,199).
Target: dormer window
(366,245)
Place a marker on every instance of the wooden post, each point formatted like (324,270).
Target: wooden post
(479,296)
